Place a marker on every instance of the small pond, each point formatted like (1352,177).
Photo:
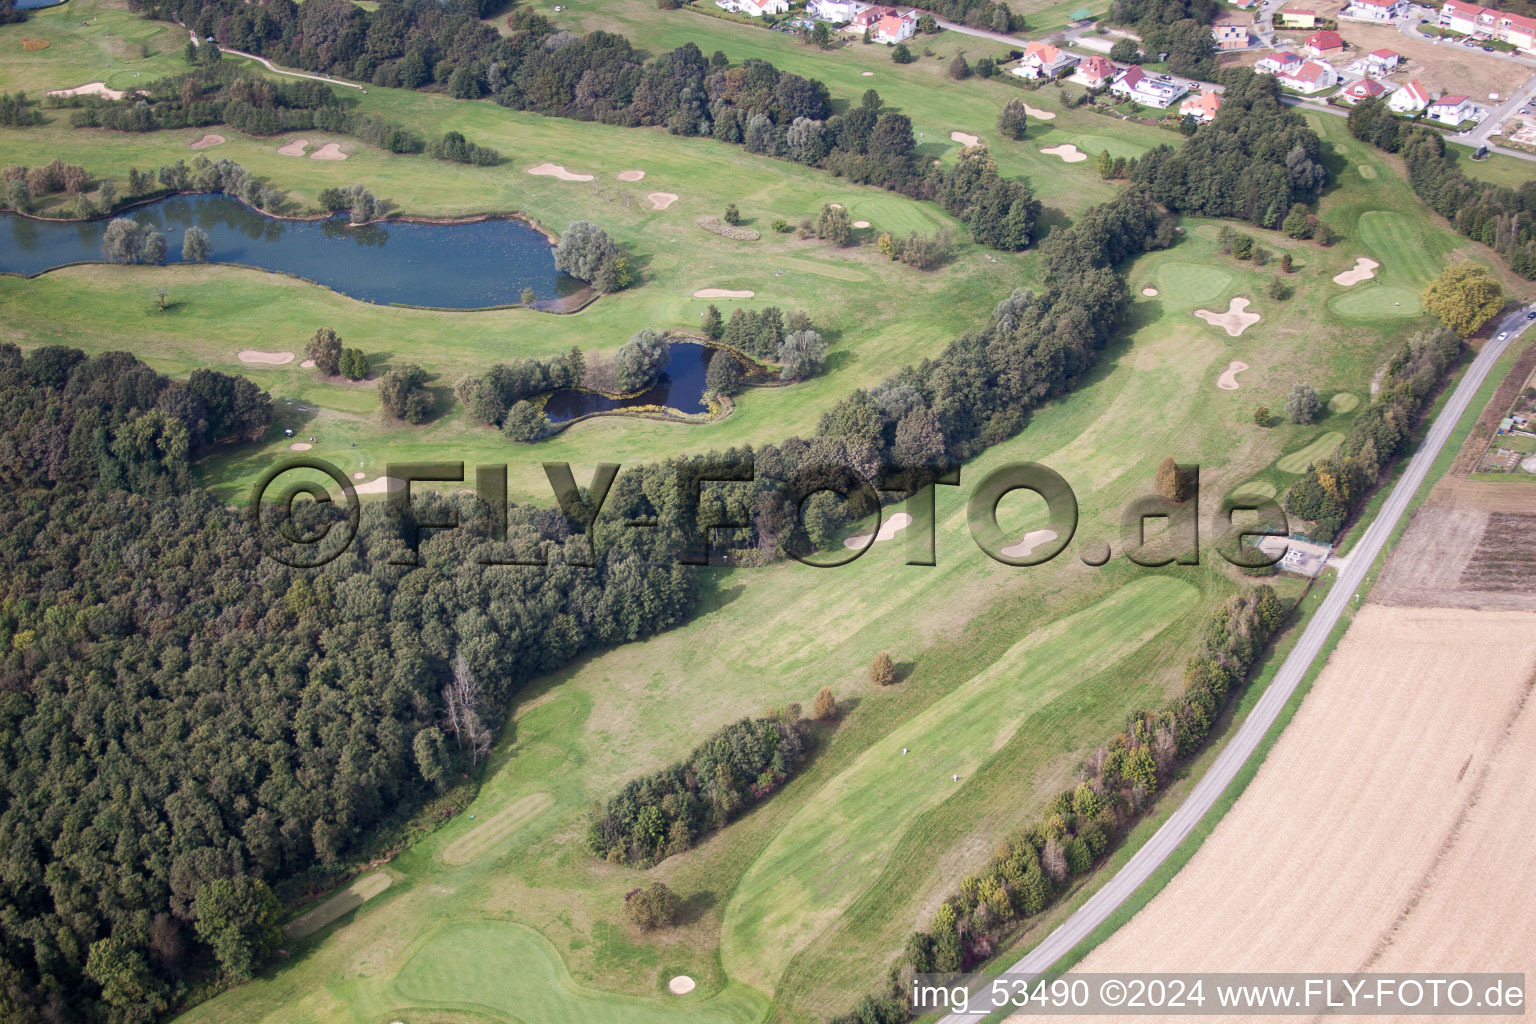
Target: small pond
(454,266)
(681,387)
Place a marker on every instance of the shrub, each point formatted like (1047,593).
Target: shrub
(881,671)
(732,215)
(524,422)
(324,347)
(1261,416)
(1302,405)
(640,360)
(801,354)
(650,907)
(825,707)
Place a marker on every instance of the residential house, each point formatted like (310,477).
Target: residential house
(1230,37)
(758,8)
(1135,84)
(1375,10)
(1451,109)
(1313,76)
(1365,89)
(1202,108)
(1095,72)
(1297,17)
(1516,29)
(1279,63)
(1410,99)
(867,18)
(1323,44)
(1381,62)
(836,12)
(1042,60)
(895,28)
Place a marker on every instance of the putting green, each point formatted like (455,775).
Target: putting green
(1298,461)
(1371,299)
(509,972)
(1343,402)
(889,213)
(836,845)
(1191,284)
(1255,489)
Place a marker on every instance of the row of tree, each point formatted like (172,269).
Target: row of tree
(488,396)
(1033,866)
(658,815)
(1333,488)
(1500,217)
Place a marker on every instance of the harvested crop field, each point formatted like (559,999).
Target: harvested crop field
(1463,557)
(1348,836)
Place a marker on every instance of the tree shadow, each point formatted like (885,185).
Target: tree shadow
(904,670)
(696,906)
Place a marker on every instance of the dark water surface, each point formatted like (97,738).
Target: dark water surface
(681,387)
(455,266)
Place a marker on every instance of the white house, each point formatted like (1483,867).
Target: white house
(1375,10)
(895,28)
(1279,63)
(1202,108)
(1135,84)
(758,8)
(1365,89)
(1313,76)
(1410,99)
(1042,60)
(1451,109)
(1380,62)
(837,12)
(1095,72)
(1468,19)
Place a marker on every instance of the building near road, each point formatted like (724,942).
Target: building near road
(1202,108)
(1136,85)
(1323,44)
(837,12)
(1365,89)
(1297,17)
(1380,62)
(1230,37)
(1279,63)
(1410,99)
(1375,10)
(1312,77)
(895,28)
(1451,109)
(1042,60)
(1095,72)
(1485,23)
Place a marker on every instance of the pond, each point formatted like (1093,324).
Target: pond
(454,266)
(32,5)
(681,387)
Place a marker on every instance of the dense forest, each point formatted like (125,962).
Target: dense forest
(1179,28)
(1504,219)
(176,711)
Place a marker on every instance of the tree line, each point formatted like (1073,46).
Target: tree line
(1033,866)
(666,812)
(1332,489)
(1502,218)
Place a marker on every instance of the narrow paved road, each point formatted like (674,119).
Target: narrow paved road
(281,71)
(1237,752)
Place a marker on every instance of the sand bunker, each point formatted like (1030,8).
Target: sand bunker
(358,475)
(1032,540)
(380,485)
(861,223)
(631,175)
(964,138)
(300,446)
(662,200)
(206,141)
(253,355)
(1149,291)
(1234,320)
(90,89)
(835,206)
(1364,270)
(308,364)
(888,529)
(294,148)
(1228,379)
(1044,115)
(682,984)
(1068,152)
(548,170)
(722,293)
(867,74)
(329,151)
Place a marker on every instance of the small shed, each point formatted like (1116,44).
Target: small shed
(1081,14)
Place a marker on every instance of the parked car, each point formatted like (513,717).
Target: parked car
(1531,315)
(1487,49)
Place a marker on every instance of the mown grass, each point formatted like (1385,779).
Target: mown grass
(115,47)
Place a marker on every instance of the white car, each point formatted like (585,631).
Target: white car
(1503,335)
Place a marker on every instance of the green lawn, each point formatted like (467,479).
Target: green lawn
(121,49)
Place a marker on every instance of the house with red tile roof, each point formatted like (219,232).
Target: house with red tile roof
(1365,89)
(1516,29)
(1095,72)
(895,28)
(1374,10)
(1202,108)
(1313,76)
(1324,44)
(1451,109)
(1382,61)
(1279,63)
(1042,60)
(1410,99)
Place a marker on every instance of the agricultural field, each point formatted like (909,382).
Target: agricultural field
(1419,717)
(1007,677)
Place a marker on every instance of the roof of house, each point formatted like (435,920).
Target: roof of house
(1132,75)
(1309,72)
(1284,57)
(1047,53)
(1386,54)
(1365,89)
(1517,20)
(1096,67)
(1327,39)
(1466,10)
(1232,30)
(1375,3)
(1206,103)
(1298,10)
(1416,91)
(1451,101)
